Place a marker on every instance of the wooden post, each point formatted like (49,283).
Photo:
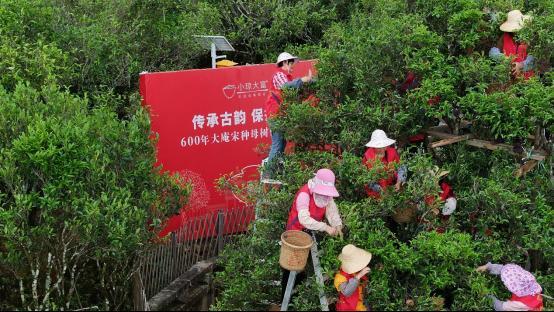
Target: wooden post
(451,140)
(536,155)
(448,138)
(173,256)
(525,168)
(220,231)
(139,296)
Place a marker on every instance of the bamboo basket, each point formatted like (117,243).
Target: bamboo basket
(295,248)
(404,215)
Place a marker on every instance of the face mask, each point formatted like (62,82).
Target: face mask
(321,200)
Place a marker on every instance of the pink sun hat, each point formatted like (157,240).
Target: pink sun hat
(324,183)
(519,281)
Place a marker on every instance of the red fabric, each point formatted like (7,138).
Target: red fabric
(409,83)
(519,51)
(420,137)
(533,302)
(446,192)
(349,303)
(315,212)
(275,98)
(312,100)
(509,45)
(391,156)
(434,100)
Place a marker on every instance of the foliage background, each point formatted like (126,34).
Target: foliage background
(77,187)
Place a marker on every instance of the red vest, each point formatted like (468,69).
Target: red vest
(533,302)
(391,156)
(349,303)
(275,98)
(519,51)
(315,212)
(446,192)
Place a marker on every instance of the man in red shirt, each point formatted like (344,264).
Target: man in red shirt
(281,79)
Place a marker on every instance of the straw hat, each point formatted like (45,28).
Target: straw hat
(379,139)
(436,171)
(285,56)
(324,183)
(354,259)
(514,22)
(225,63)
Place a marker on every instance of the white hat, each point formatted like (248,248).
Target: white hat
(285,56)
(379,139)
(514,22)
(449,206)
(353,259)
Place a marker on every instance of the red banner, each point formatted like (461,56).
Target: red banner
(209,122)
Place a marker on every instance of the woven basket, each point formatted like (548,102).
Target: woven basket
(295,248)
(404,215)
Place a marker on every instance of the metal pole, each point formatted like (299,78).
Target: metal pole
(319,276)
(214,55)
(288,291)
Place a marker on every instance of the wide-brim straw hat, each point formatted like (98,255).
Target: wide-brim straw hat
(379,139)
(354,259)
(514,22)
(225,63)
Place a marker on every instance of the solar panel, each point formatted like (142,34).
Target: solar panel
(221,43)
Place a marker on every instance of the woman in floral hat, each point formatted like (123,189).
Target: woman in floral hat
(526,292)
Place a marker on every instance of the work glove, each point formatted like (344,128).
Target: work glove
(449,206)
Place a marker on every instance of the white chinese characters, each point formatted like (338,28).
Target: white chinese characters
(246,89)
(227,119)
(225,137)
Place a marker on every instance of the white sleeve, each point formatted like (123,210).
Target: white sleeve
(310,223)
(332,214)
(509,306)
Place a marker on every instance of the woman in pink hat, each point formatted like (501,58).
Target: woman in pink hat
(526,292)
(313,203)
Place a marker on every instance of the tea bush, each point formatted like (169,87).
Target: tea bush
(427,264)
(77,193)
(77,189)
